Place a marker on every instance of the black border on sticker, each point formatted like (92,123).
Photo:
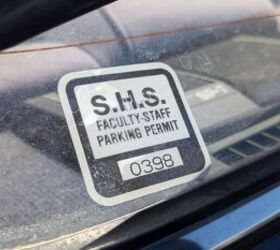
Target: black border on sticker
(108,183)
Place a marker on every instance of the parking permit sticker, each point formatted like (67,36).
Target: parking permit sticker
(132,130)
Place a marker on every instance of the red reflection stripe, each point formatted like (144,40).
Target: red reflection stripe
(143,36)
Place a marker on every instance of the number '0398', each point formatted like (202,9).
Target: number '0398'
(148,166)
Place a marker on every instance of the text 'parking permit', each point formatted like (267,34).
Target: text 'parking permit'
(132,130)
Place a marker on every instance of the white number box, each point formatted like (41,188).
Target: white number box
(145,164)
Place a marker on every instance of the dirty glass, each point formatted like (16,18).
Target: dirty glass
(227,57)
